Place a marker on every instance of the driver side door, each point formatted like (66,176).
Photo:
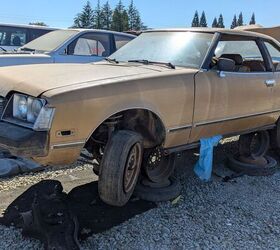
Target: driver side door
(237,101)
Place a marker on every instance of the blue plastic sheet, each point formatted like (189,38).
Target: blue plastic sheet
(203,168)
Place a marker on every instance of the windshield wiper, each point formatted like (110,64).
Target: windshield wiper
(168,64)
(27,49)
(3,49)
(111,60)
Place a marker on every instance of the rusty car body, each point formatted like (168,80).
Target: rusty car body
(169,87)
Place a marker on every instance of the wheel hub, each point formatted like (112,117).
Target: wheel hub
(132,167)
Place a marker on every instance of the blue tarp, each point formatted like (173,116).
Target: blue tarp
(203,168)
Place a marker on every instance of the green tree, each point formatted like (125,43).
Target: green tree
(203,21)
(85,19)
(97,16)
(134,19)
(120,18)
(240,20)
(221,21)
(253,19)
(215,23)
(106,16)
(234,22)
(195,21)
(38,24)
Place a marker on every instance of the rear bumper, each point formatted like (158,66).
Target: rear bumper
(23,141)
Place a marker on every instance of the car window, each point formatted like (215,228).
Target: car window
(10,36)
(122,40)
(275,55)
(35,33)
(91,45)
(245,54)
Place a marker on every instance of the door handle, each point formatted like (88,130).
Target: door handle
(270,83)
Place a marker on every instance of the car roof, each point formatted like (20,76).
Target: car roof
(215,30)
(103,31)
(27,26)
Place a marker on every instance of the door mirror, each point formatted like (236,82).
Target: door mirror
(225,64)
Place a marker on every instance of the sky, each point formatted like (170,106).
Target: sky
(154,13)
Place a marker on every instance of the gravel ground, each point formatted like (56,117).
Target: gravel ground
(243,213)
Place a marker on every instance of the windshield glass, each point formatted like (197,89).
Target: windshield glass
(187,49)
(50,41)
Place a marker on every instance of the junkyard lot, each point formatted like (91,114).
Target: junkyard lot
(242,213)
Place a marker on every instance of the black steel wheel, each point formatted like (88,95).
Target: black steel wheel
(254,144)
(157,166)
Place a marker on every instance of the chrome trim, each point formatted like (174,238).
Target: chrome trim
(68,145)
(175,129)
(234,118)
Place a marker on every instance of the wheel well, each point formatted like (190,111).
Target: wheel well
(142,121)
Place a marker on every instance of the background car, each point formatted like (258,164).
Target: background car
(13,36)
(68,46)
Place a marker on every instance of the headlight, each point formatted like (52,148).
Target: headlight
(34,108)
(20,107)
(29,112)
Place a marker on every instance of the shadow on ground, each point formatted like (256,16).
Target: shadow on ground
(94,216)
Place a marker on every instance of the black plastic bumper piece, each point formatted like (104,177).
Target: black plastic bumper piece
(22,141)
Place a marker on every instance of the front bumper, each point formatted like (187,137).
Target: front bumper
(22,141)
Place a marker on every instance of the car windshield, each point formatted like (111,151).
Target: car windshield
(50,41)
(187,49)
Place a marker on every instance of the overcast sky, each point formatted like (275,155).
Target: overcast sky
(155,13)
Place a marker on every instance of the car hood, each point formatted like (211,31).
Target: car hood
(37,79)
(11,59)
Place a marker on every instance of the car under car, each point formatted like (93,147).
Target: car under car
(156,96)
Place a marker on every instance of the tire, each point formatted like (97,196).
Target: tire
(252,169)
(161,168)
(275,138)
(246,143)
(158,194)
(115,186)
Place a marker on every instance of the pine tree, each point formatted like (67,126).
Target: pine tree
(85,19)
(203,21)
(215,23)
(221,21)
(240,20)
(97,16)
(195,21)
(106,16)
(134,19)
(120,18)
(253,19)
(234,22)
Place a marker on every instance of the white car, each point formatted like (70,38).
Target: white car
(67,46)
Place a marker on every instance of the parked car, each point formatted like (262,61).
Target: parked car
(68,46)
(158,95)
(14,36)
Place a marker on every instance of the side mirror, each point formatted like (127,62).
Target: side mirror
(225,64)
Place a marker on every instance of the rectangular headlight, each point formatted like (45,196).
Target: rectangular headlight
(29,112)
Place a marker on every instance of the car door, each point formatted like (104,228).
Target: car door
(89,47)
(237,100)
(274,52)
